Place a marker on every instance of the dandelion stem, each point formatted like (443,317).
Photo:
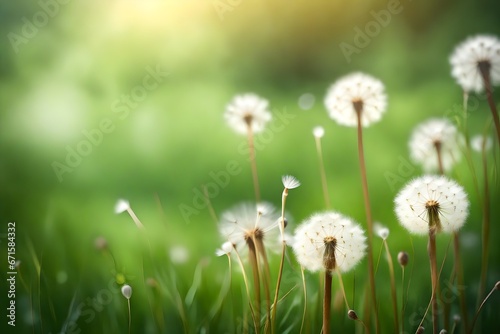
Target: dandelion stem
(282,260)
(252,254)
(486,223)
(305,298)
(393,286)
(134,218)
(129,316)
(437,146)
(434,278)
(245,280)
(253,163)
(402,299)
(484,68)
(368,219)
(266,277)
(327,299)
(322,172)
(278,283)
(496,287)
(460,279)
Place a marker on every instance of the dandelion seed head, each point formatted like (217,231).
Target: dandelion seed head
(247,110)
(245,221)
(353,93)
(381,231)
(121,206)
(332,233)
(469,55)
(318,132)
(225,249)
(290,182)
(425,137)
(413,201)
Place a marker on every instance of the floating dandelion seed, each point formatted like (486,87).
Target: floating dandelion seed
(433,136)
(353,94)
(247,110)
(329,241)
(432,201)
(468,59)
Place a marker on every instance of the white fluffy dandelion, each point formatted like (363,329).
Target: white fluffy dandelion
(429,137)
(248,221)
(247,111)
(329,241)
(472,54)
(353,94)
(432,201)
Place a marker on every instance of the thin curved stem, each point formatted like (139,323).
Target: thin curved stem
(253,163)
(322,172)
(369,221)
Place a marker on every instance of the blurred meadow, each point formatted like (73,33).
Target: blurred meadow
(149,82)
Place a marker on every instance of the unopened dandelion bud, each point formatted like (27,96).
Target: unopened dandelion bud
(352,315)
(100,243)
(127,291)
(403,258)
(420,330)
(151,282)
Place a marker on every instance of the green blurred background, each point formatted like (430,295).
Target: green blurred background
(65,67)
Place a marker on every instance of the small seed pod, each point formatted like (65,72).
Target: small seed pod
(127,291)
(497,285)
(352,315)
(420,330)
(403,258)
(100,243)
(456,318)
